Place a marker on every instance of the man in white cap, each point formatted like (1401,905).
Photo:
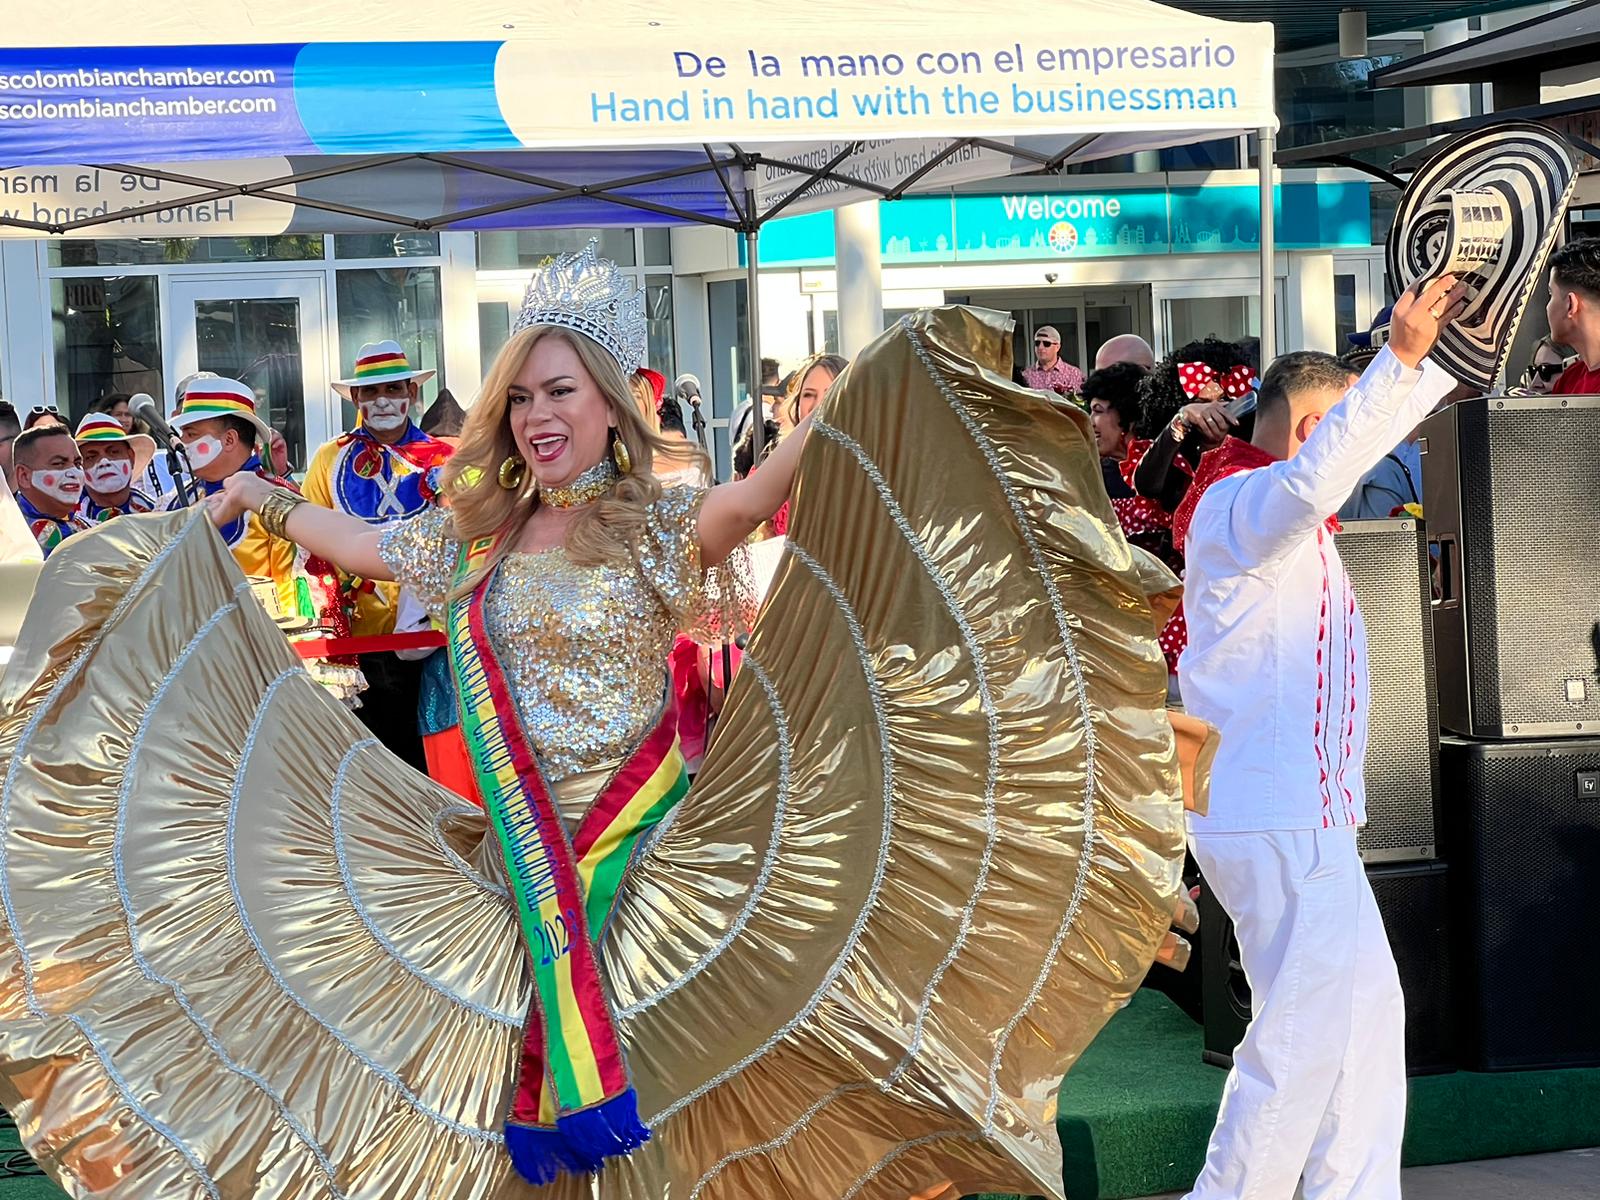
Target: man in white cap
(112,459)
(1049,373)
(221,435)
(386,470)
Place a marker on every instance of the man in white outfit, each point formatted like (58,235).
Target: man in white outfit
(1277,660)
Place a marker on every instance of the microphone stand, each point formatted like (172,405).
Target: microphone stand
(177,464)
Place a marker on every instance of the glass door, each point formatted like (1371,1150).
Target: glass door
(268,334)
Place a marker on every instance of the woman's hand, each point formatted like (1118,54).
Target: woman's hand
(241,493)
(1211,420)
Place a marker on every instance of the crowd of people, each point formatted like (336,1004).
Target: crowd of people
(443,527)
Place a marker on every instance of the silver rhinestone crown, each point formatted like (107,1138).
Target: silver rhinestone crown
(586,293)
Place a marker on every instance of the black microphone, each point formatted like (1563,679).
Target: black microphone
(144,407)
(687,388)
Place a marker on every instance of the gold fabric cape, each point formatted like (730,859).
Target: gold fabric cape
(247,953)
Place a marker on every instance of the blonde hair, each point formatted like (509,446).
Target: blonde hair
(604,533)
(645,397)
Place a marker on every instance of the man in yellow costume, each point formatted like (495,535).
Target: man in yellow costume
(386,470)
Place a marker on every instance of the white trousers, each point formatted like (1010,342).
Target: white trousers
(1318,1086)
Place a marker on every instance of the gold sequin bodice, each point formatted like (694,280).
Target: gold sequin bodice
(584,647)
(586,652)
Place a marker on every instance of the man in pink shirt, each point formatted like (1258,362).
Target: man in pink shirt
(1277,661)
(1049,373)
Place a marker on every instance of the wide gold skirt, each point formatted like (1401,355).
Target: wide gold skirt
(247,953)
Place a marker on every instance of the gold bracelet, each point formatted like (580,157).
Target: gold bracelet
(275,509)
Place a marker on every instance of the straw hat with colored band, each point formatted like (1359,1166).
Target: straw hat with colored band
(99,428)
(208,399)
(1526,166)
(380,362)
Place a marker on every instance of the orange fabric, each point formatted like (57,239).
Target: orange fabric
(449,764)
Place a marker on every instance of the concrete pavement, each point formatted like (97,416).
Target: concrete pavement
(1574,1175)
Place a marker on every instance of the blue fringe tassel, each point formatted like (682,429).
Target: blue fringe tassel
(580,1143)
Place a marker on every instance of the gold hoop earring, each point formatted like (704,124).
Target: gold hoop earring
(619,452)
(512,472)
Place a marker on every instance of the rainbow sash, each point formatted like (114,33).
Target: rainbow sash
(574,1105)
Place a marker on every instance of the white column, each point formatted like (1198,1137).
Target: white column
(1451,101)
(1268,145)
(458,292)
(1310,322)
(860,268)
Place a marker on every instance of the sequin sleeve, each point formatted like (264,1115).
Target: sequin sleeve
(709,606)
(422,554)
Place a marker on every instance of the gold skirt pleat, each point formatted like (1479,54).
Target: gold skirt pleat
(247,953)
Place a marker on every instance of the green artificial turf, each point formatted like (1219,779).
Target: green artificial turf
(1137,1110)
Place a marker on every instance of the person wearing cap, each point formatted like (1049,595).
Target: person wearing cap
(112,459)
(223,435)
(386,470)
(49,473)
(1049,373)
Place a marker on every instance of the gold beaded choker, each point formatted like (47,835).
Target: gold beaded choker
(588,487)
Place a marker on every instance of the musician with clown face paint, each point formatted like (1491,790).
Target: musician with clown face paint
(386,470)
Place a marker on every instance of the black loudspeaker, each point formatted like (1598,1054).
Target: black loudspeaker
(1414,899)
(1387,562)
(1523,837)
(1510,487)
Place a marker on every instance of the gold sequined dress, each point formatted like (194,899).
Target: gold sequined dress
(246,952)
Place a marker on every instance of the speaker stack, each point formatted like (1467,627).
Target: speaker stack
(1388,565)
(1511,490)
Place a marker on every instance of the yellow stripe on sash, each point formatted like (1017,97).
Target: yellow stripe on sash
(626,822)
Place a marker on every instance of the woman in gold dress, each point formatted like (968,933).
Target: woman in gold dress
(247,953)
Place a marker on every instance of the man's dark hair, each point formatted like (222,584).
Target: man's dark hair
(1299,372)
(744,452)
(1161,394)
(10,423)
(769,370)
(248,433)
(1118,386)
(22,448)
(1576,266)
(670,415)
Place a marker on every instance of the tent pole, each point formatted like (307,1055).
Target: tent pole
(752,308)
(1269,316)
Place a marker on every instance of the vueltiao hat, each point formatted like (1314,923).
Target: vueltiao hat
(208,399)
(1518,166)
(380,362)
(103,427)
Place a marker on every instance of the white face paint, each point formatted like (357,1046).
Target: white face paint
(203,451)
(65,485)
(385,414)
(110,475)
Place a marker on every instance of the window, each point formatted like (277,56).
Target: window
(411,244)
(730,367)
(1226,317)
(129,252)
(530,247)
(107,333)
(494,331)
(659,353)
(1344,311)
(398,303)
(657,247)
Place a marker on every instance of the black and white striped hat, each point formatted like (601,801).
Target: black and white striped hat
(1529,167)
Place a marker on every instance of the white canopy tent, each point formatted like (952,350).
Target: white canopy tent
(247,117)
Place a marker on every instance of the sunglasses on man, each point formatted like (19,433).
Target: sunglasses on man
(1043,342)
(1546,371)
(40,410)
